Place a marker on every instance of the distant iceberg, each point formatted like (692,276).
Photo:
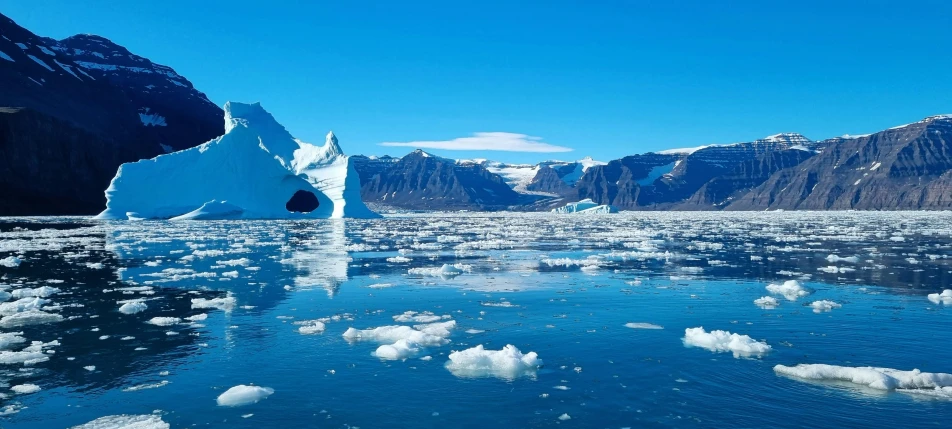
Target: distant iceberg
(256,170)
(585,206)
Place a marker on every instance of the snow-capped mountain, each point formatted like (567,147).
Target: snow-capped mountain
(68,119)
(526,179)
(166,100)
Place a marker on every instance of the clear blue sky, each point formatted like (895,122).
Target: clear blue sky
(606,78)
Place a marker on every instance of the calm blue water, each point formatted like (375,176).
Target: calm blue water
(674,270)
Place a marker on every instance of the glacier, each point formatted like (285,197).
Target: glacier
(256,170)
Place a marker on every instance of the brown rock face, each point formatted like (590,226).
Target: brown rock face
(900,168)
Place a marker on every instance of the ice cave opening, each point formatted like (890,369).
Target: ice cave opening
(302,202)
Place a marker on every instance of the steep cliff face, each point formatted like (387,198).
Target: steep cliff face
(903,167)
(52,167)
(622,182)
(75,112)
(724,189)
(423,181)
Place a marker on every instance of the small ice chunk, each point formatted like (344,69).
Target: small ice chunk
(40,292)
(790,289)
(641,325)
(310,326)
(133,307)
(565,416)
(243,395)
(25,389)
(90,368)
(834,259)
(10,262)
(164,321)
(399,350)
(767,302)
(941,298)
(413,316)
(824,305)
(508,363)
(225,304)
(126,421)
(724,341)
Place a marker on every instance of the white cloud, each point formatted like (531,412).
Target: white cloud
(508,142)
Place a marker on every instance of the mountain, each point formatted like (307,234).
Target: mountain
(72,111)
(904,167)
(537,179)
(423,181)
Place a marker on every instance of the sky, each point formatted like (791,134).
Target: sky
(534,80)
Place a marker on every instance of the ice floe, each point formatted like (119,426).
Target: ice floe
(941,298)
(508,363)
(25,389)
(308,327)
(225,304)
(724,341)
(767,302)
(914,381)
(641,325)
(402,342)
(126,421)
(824,306)
(133,307)
(243,395)
(10,262)
(790,289)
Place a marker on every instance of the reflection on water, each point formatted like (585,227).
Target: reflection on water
(564,285)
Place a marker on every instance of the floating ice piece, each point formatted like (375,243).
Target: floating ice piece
(243,395)
(126,421)
(876,378)
(25,389)
(8,339)
(508,363)
(724,341)
(824,305)
(944,298)
(40,292)
(585,206)
(402,349)
(225,304)
(31,317)
(504,304)
(565,416)
(767,302)
(10,262)
(413,316)
(256,170)
(428,335)
(446,270)
(790,289)
(164,321)
(133,307)
(139,387)
(832,269)
(641,325)
(310,326)
(405,342)
(21,305)
(834,259)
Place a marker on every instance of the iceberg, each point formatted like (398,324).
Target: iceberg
(585,206)
(256,170)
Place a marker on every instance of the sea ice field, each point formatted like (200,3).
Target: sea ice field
(469,320)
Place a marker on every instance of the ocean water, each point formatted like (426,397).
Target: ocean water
(563,287)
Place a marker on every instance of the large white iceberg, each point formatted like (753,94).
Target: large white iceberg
(585,206)
(256,170)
